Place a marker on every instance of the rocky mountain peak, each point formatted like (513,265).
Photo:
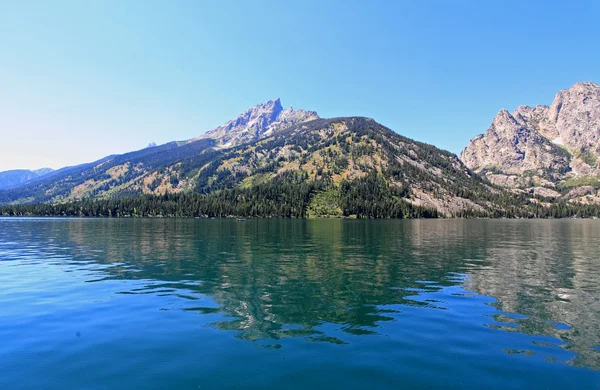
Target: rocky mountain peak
(549,142)
(585,86)
(258,122)
(507,126)
(503,119)
(584,94)
(503,115)
(274,105)
(576,114)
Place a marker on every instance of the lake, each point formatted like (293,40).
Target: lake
(295,304)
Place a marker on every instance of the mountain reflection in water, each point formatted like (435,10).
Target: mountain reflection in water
(528,288)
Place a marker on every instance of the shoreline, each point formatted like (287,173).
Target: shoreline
(246,218)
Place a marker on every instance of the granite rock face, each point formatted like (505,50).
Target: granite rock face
(258,122)
(541,145)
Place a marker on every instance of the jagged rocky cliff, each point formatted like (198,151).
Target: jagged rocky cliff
(258,122)
(552,150)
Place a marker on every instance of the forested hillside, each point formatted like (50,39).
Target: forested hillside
(341,167)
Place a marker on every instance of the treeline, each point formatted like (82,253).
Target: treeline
(289,195)
(372,197)
(558,210)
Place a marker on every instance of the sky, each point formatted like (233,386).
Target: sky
(80,80)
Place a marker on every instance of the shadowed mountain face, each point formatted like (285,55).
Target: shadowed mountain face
(552,149)
(17,177)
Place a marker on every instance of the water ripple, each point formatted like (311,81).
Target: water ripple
(163,303)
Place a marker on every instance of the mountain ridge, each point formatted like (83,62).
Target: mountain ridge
(17,177)
(271,161)
(544,148)
(257,122)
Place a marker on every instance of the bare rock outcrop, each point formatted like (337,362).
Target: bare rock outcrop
(541,145)
(259,121)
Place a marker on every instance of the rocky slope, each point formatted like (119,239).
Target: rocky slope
(19,177)
(258,122)
(545,149)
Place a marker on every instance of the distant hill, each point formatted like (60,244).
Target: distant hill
(19,177)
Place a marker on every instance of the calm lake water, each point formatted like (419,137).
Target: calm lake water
(261,304)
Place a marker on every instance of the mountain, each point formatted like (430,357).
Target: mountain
(18,177)
(143,171)
(43,171)
(280,163)
(345,155)
(258,122)
(149,170)
(551,150)
(325,167)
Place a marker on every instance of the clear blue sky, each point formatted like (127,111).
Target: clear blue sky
(83,79)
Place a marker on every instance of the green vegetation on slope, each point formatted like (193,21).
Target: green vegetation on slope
(578,181)
(589,158)
(325,204)
(288,196)
(348,167)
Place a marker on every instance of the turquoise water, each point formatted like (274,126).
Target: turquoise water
(261,304)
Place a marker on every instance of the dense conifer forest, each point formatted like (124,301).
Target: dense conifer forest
(291,196)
